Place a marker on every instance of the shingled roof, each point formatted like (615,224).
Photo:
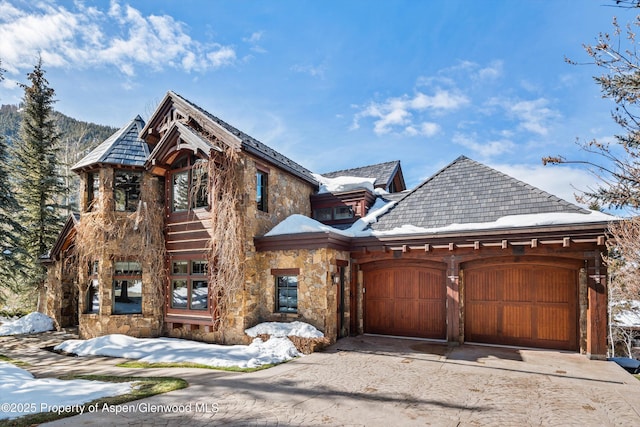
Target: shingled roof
(123,148)
(382,172)
(466,192)
(252,145)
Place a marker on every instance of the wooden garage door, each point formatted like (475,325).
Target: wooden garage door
(405,301)
(534,306)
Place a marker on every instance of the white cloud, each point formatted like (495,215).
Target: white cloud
(533,115)
(312,70)
(485,149)
(561,181)
(399,112)
(86,37)
(491,72)
(427,129)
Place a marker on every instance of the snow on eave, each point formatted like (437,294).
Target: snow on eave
(508,222)
(344,183)
(297,224)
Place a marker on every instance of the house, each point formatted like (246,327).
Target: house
(191,228)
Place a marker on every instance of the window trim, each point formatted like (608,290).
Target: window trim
(192,196)
(127,206)
(94,267)
(277,273)
(262,189)
(124,277)
(189,277)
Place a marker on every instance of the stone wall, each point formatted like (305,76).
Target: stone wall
(317,292)
(128,247)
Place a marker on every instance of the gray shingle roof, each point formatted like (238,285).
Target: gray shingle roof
(382,172)
(466,192)
(256,147)
(124,148)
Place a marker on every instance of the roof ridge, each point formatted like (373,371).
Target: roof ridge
(361,167)
(250,142)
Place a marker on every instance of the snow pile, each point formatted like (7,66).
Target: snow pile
(24,394)
(156,350)
(297,223)
(343,183)
(628,315)
(32,323)
(509,221)
(280,329)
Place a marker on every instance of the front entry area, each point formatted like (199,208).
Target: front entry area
(407,300)
(521,304)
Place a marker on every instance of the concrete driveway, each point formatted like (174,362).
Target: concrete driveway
(375,381)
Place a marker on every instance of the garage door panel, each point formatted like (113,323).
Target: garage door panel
(381,285)
(534,305)
(517,321)
(414,302)
(552,292)
(383,320)
(426,288)
(554,323)
(485,320)
(431,314)
(485,287)
(516,287)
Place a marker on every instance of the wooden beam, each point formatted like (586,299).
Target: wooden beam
(505,244)
(566,242)
(427,247)
(405,249)
(601,240)
(476,245)
(452,246)
(534,243)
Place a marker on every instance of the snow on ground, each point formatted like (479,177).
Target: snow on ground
(155,350)
(280,329)
(629,315)
(22,394)
(32,323)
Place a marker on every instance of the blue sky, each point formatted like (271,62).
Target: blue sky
(337,84)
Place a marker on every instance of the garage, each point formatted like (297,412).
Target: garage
(405,301)
(524,305)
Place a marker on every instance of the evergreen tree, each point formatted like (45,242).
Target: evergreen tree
(35,175)
(9,228)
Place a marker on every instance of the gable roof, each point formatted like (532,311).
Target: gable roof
(246,142)
(124,148)
(466,192)
(382,172)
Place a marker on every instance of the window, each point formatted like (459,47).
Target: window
(262,181)
(323,214)
(180,191)
(287,294)
(93,290)
(126,190)
(189,285)
(189,185)
(127,287)
(93,190)
(342,212)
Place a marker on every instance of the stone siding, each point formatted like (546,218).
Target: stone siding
(317,293)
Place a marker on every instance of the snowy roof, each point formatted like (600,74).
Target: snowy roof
(382,172)
(254,146)
(468,192)
(123,148)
